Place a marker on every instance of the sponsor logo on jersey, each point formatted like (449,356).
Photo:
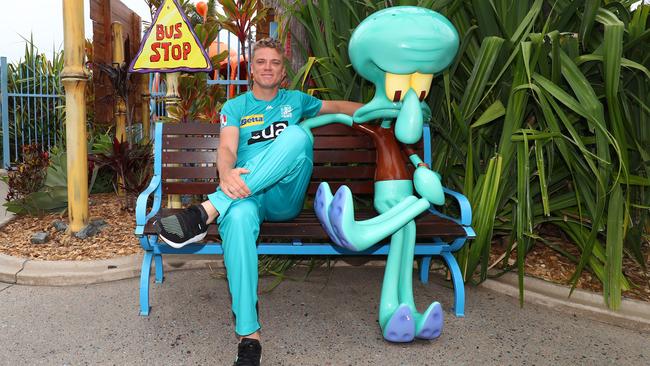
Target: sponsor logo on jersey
(251,120)
(223,119)
(286,111)
(269,133)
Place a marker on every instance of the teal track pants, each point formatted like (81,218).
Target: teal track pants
(278,180)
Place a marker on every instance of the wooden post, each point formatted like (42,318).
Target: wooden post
(74,80)
(172,98)
(118,60)
(144,107)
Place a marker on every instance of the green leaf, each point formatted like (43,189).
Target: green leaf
(493,112)
(616,229)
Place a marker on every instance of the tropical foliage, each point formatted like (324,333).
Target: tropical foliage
(52,195)
(240,17)
(542,121)
(131,163)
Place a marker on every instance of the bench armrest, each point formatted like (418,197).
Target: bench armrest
(465,219)
(141,216)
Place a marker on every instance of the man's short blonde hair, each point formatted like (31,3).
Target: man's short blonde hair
(268,43)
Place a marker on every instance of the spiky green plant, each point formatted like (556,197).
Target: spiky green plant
(542,121)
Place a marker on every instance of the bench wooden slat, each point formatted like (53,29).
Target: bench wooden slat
(193,172)
(344,156)
(320,156)
(198,142)
(189,156)
(342,142)
(357,187)
(191,128)
(203,128)
(306,226)
(189,187)
(325,173)
(336,130)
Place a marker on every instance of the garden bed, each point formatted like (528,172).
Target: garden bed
(117,239)
(545,263)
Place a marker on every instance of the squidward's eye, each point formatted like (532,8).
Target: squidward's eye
(397,86)
(421,83)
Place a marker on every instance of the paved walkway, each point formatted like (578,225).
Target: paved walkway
(328,320)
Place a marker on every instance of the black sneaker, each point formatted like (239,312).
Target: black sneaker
(249,352)
(185,227)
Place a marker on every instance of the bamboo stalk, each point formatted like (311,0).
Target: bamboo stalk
(118,60)
(144,108)
(74,80)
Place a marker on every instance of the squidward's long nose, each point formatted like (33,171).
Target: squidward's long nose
(408,128)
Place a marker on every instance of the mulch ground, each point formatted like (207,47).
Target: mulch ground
(114,240)
(547,264)
(117,239)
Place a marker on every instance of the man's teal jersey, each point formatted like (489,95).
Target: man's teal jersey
(261,121)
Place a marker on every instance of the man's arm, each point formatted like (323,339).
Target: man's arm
(229,177)
(339,106)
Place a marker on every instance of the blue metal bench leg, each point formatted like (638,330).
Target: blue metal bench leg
(159,267)
(425,264)
(144,283)
(459,286)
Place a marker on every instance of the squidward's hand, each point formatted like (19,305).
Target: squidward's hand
(233,185)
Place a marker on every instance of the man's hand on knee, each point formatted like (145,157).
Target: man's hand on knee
(233,185)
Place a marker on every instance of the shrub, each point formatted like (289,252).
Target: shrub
(28,176)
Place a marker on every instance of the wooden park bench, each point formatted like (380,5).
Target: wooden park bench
(185,157)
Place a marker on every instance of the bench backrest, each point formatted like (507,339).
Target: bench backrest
(342,155)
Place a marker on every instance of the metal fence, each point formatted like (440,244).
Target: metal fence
(31,108)
(233,73)
(32,101)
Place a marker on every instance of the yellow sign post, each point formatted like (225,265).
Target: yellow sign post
(170,44)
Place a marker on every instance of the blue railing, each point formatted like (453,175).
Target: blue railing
(31,109)
(242,56)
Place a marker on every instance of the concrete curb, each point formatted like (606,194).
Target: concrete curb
(633,314)
(22,271)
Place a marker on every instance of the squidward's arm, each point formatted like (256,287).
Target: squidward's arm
(427,182)
(325,119)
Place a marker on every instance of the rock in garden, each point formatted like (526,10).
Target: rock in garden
(86,231)
(91,229)
(99,223)
(40,238)
(59,225)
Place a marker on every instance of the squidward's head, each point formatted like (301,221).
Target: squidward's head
(399,50)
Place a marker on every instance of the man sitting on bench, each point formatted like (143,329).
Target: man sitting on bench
(265,163)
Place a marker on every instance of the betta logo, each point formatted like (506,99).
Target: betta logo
(269,133)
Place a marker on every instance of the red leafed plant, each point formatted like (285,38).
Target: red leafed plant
(29,176)
(240,16)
